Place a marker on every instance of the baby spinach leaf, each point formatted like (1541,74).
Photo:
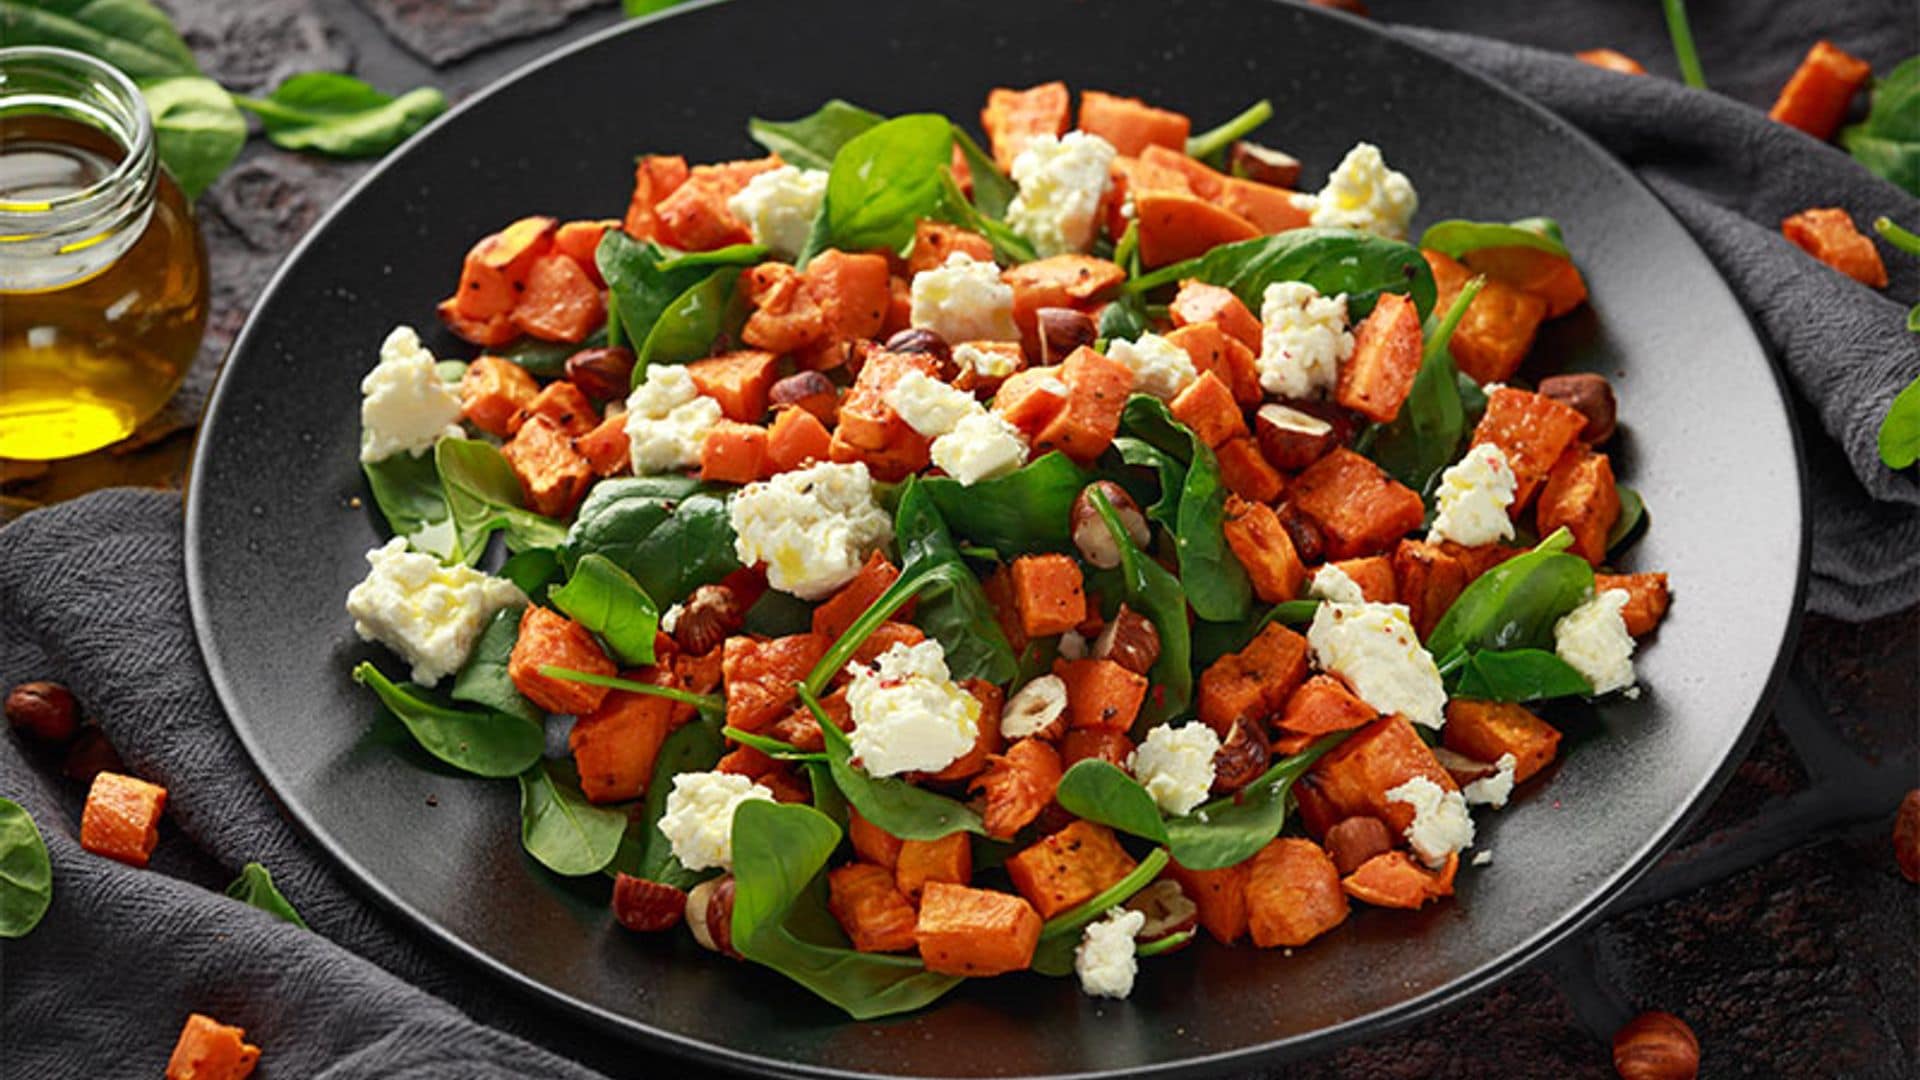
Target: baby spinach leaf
(254,887)
(196,130)
(828,800)
(1887,142)
(1423,439)
(1009,247)
(1516,675)
(533,570)
(26,875)
(884,180)
(1215,582)
(812,141)
(1100,792)
(1211,641)
(407,491)
(548,359)
(1899,430)
(1060,935)
(903,809)
(1170,473)
(1515,604)
(1331,260)
(1683,51)
(1153,592)
(692,747)
(710,309)
(1229,830)
(605,599)
(483,742)
(645,279)
(483,495)
(1025,511)
(1161,946)
(1631,523)
(772,747)
(779,851)
(1211,146)
(341,115)
(559,827)
(483,679)
(708,704)
(667,532)
(1125,318)
(132,35)
(993,190)
(1457,236)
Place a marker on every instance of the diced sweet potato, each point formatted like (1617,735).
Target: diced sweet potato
(564,404)
(606,447)
(1132,125)
(553,476)
(835,614)
(799,728)
(1647,599)
(1392,879)
(866,420)
(1828,234)
(1031,399)
(1213,350)
(1254,682)
(1201,179)
(1496,332)
(975,932)
(695,216)
(1552,278)
(560,302)
(851,290)
(1480,558)
(1071,281)
(948,860)
(211,1050)
(615,745)
(796,439)
(495,271)
(1484,730)
(1100,744)
(933,241)
(733,453)
(884,637)
(1580,495)
(1220,895)
(1428,581)
(738,380)
(1265,549)
(1097,389)
(1017,785)
(1360,509)
(580,241)
(1069,868)
(745,761)
(1323,704)
(1355,776)
(1197,302)
(759,676)
(548,638)
(1208,407)
(493,392)
(1247,473)
(121,818)
(1176,227)
(1049,594)
(786,316)
(1293,894)
(1374,381)
(1014,118)
(1815,99)
(1351,842)
(1533,431)
(488,333)
(1270,209)
(1374,575)
(1101,693)
(655,176)
(870,909)
(1610,60)
(871,842)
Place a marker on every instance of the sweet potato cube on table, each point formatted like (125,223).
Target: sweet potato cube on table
(1484,730)
(948,860)
(733,453)
(1049,594)
(1581,496)
(1815,99)
(1017,785)
(796,440)
(607,449)
(1176,227)
(1014,118)
(615,745)
(964,931)
(738,380)
(933,241)
(1393,879)
(1101,693)
(871,842)
(1097,389)
(1265,549)
(759,676)
(121,819)
(1254,682)
(553,476)
(1360,509)
(1552,278)
(1374,575)
(1069,868)
(1354,777)
(1647,599)
(1198,303)
(1386,356)
(1213,350)
(1208,407)
(566,405)
(551,639)
(1031,399)
(865,903)
(1533,431)
(655,176)
(1428,581)
(493,392)
(1497,330)
(1322,705)
(560,302)
(1132,125)
(1293,894)
(1220,895)
(211,1050)
(1828,234)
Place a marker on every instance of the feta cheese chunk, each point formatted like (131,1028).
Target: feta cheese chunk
(1473,499)
(1441,824)
(1362,193)
(1160,367)
(1593,640)
(928,405)
(1303,339)
(1332,583)
(812,527)
(778,207)
(986,363)
(1175,765)
(1373,648)
(698,821)
(406,405)
(1104,959)
(666,420)
(1493,790)
(428,613)
(964,300)
(980,447)
(908,714)
(1061,183)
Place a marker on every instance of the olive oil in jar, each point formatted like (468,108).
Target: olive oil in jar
(103,283)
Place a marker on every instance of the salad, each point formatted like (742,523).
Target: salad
(947,560)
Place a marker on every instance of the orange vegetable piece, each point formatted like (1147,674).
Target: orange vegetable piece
(866,420)
(553,476)
(1581,496)
(1647,599)
(1374,575)
(1611,60)
(561,303)
(548,638)
(1101,693)
(963,931)
(1213,351)
(1497,330)
(1198,302)
(1221,896)
(1079,744)
(1815,99)
(871,842)
(1360,509)
(870,909)
(606,446)
(733,453)
(580,240)
(1533,431)
(786,317)
(738,380)
(564,404)
(211,1050)
(1247,472)
(796,439)
(1254,682)
(616,744)
(1393,880)
(851,290)
(1428,581)
(1270,209)
(759,676)
(1386,356)
(1828,234)
(986,741)
(1265,549)
(948,860)
(121,819)
(496,269)
(1201,179)
(655,177)
(1176,227)
(695,216)
(1097,389)
(1074,281)
(1480,558)
(1031,399)
(493,392)
(1014,118)
(1354,777)
(1069,868)
(933,241)
(746,761)
(1049,594)
(1207,406)
(1293,893)
(837,612)
(1552,278)
(1484,730)
(1132,125)
(490,332)
(884,637)
(803,731)
(1323,705)
(1018,785)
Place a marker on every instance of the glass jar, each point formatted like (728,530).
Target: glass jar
(103,277)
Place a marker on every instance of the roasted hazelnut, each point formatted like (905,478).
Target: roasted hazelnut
(645,906)
(1352,841)
(602,374)
(710,915)
(1168,910)
(1242,757)
(1038,710)
(44,711)
(1463,769)
(921,340)
(1906,836)
(1290,439)
(1308,541)
(707,618)
(1063,330)
(1263,164)
(810,390)
(1592,395)
(1130,640)
(1090,533)
(89,756)
(1656,1046)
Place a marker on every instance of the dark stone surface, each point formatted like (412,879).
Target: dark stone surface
(442,32)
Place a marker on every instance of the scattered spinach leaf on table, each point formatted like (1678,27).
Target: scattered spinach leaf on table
(1887,142)
(196,130)
(341,115)
(254,887)
(26,875)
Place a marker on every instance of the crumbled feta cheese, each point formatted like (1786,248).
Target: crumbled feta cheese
(1303,339)
(812,527)
(778,206)
(1034,709)
(406,405)
(1593,640)
(1061,182)
(1362,193)
(1104,959)
(964,300)
(980,447)
(1473,499)
(1175,765)
(428,613)
(670,618)
(928,405)
(1441,824)
(698,821)
(667,418)
(1160,367)
(986,363)
(1483,858)
(1332,583)
(1493,790)
(1374,649)
(908,713)
(1073,645)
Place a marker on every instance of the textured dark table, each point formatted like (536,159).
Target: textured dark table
(1779,927)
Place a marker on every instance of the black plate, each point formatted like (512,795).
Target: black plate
(274,539)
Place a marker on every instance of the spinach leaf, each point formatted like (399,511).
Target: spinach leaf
(132,35)
(1899,430)
(1170,473)
(1211,146)
(196,130)
(903,809)
(26,876)
(779,852)
(1216,584)
(1160,946)
(483,679)
(341,115)
(812,141)
(1025,511)
(1631,523)
(1009,247)
(1229,830)
(1149,589)
(828,800)
(1060,935)
(1100,792)
(644,280)
(778,614)
(534,570)
(1423,439)
(1457,236)
(1515,604)
(772,747)
(884,180)
(711,705)
(993,190)
(483,495)
(692,747)
(709,310)
(407,491)
(560,828)
(1211,641)
(1516,675)
(1125,318)
(548,359)
(670,534)
(1331,260)
(1683,50)
(484,742)
(605,599)
(254,887)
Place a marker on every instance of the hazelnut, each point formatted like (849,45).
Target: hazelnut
(1354,840)
(43,710)
(1463,769)
(810,390)
(602,374)
(1063,330)
(1242,757)
(707,618)
(1168,910)
(921,340)
(1656,1046)
(1290,439)
(1038,710)
(1263,164)
(1906,836)
(710,915)
(1308,541)
(646,907)
(1090,533)
(1130,640)
(90,755)
(1592,395)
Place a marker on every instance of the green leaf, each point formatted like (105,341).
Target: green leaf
(548,359)
(1009,247)
(1149,589)
(690,325)
(1170,475)
(1900,429)
(483,496)
(254,887)
(1161,946)
(534,571)
(1457,236)
(483,680)
(645,279)
(1060,935)
(1027,510)
(1683,50)
(26,876)
(1211,146)
(606,600)
(132,35)
(886,179)
(1331,260)
(1887,142)
(1211,641)
(1516,675)
(812,141)
(633,9)
(1515,604)
(708,704)
(196,130)
(559,827)
(1423,439)
(1892,233)
(906,810)
(1632,520)
(483,742)
(1230,829)
(1100,792)
(693,747)
(993,190)
(772,747)
(1216,584)
(668,532)
(406,489)
(340,115)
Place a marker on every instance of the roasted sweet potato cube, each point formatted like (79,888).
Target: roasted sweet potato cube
(1497,331)
(1393,879)
(1068,868)
(1815,99)
(1198,302)
(1360,509)
(1049,594)
(933,241)
(1484,730)
(786,316)
(553,476)
(1017,785)
(1534,431)
(870,909)
(695,216)
(1374,381)
(963,931)
(1293,894)
(1428,581)
(1132,125)
(1323,704)
(548,638)
(560,301)
(738,380)
(1552,278)
(494,273)
(759,676)
(835,614)
(1247,472)
(1213,349)
(1374,575)
(615,745)
(1254,682)
(211,1050)
(1355,776)
(564,404)
(1068,281)
(1207,406)
(884,637)
(1097,389)
(606,448)
(871,842)
(920,862)
(1031,399)
(866,420)
(493,393)
(796,439)
(1480,558)
(1101,744)
(1828,234)
(580,241)
(1221,896)
(1265,549)
(987,740)
(655,176)
(1580,496)
(1647,599)
(852,291)
(1270,208)
(121,818)
(1175,227)
(1101,693)
(733,453)
(1014,118)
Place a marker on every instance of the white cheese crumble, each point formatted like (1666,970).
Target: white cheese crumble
(1373,648)
(1073,645)
(666,420)
(406,405)
(1362,193)
(1061,182)
(1034,708)
(1104,959)
(428,613)
(812,527)
(1175,765)
(1483,858)
(1159,367)
(986,363)
(908,713)
(698,821)
(1496,789)
(980,447)
(1473,498)
(1441,824)
(928,405)
(1593,640)
(1303,339)
(778,207)
(1332,583)
(964,300)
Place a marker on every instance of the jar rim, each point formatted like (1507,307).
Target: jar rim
(140,151)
